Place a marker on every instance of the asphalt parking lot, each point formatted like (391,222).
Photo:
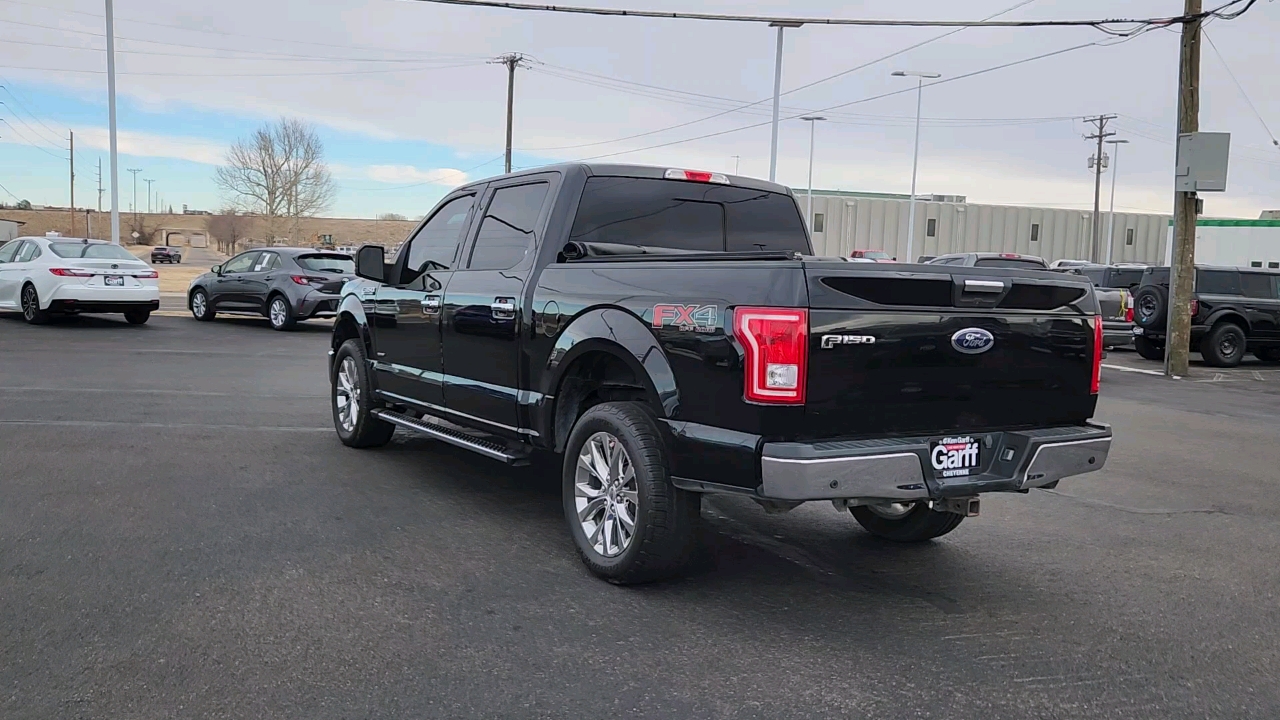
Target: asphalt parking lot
(182,535)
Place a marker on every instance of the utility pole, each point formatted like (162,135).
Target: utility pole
(737,163)
(1111,214)
(512,61)
(99,184)
(148,182)
(111,118)
(135,172)
(777,95)
(1101,123)
(72,155)
(1182,271)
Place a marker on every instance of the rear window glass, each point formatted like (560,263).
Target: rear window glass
(1126,278)
(1022,263)
(688,216)
(101,251)
(1257,285)
(1218,282)
(327,263)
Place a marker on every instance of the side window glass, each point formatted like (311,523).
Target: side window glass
(240,263)
(1257,285)
(9,251)
(1217,282)
(506,234)
(437,242)
(29,251)
(264,262)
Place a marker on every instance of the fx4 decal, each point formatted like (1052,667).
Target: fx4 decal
(695,318)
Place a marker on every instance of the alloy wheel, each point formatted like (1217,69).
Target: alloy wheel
(347,394)
(30,302)
(606,495)
(892,510)
(198,304)
(279,312)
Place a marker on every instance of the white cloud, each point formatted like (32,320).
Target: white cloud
(197,150)
(404,174)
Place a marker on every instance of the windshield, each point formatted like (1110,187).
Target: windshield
(337,264)
(100,251)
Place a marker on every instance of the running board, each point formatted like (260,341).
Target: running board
(462,439)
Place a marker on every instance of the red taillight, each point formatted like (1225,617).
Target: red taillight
(147,274)
(70,272)
(697,176)
(1195,307)
(1010,255)
(1097,355)
(1126,301)
(775,342)
(1128,314)
(300,279)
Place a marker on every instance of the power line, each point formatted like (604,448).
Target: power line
(258,56)
(44,139)
(874,97)
(1240,88)
(28,141)
(8,91)
(1103,25)
(15,197)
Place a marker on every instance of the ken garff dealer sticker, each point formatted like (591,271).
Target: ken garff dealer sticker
(973,341)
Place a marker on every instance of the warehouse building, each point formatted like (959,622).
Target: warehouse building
(847,221)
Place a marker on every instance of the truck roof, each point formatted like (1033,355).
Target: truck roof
(656,172)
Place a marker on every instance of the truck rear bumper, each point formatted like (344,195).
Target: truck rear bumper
(900,468)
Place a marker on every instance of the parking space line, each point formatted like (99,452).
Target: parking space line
(164,426)
(1122,368)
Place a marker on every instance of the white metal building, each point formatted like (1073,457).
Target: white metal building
(1234,243)
(845,221)
(9,229)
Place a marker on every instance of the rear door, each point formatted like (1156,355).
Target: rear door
(257,282)
(1261,305)
(484,304)
(406,322)
(954,349)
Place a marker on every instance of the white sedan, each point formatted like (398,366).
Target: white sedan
(43,276)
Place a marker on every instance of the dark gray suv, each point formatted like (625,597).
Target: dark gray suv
(283,284)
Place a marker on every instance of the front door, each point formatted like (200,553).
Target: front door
(1261,304)
(484,306)
(406,323)
(228,291)
(257,282)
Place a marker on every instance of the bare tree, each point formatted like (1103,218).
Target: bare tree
(228,229)
(391,216)
(279,173)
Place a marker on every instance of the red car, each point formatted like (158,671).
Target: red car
(873,255)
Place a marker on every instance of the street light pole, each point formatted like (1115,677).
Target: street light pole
(148,182)
(111,113)
(1111,213)
(813,121)
(915,155)
(777,96)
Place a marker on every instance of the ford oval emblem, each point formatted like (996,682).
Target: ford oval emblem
(973,341)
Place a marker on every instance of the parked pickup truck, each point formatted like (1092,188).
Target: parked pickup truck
(669,334)
(1114,286)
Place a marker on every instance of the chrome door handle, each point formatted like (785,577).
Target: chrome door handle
(431,305)
(504,309)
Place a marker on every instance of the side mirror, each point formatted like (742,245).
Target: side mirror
(370,263)
(217,269)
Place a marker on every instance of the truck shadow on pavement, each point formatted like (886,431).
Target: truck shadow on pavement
(741,549)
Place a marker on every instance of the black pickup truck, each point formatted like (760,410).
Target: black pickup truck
(668,333)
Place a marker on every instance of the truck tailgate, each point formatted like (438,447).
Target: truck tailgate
(934,350)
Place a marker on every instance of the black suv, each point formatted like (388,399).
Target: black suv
(1233,310)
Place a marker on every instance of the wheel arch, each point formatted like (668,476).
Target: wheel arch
(1230,315)
(605,354)
(350,323)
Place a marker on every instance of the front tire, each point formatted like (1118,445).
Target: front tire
(629,523)
(201,309)
(137,317)
(280,314)
(905,522)
(1223,346)
(31,311)
(1147,348)
(352,399)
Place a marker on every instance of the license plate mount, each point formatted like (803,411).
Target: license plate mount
(113,280)
(955,456)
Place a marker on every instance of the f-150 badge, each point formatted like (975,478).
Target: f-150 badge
(695,318)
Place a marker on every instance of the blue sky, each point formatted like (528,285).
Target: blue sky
(408,103)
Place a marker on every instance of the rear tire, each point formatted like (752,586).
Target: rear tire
(31,311)
(1147,348)
(280,314)
(138,317)
(352,399)
(615,475)
(911,522)
(1223,346)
